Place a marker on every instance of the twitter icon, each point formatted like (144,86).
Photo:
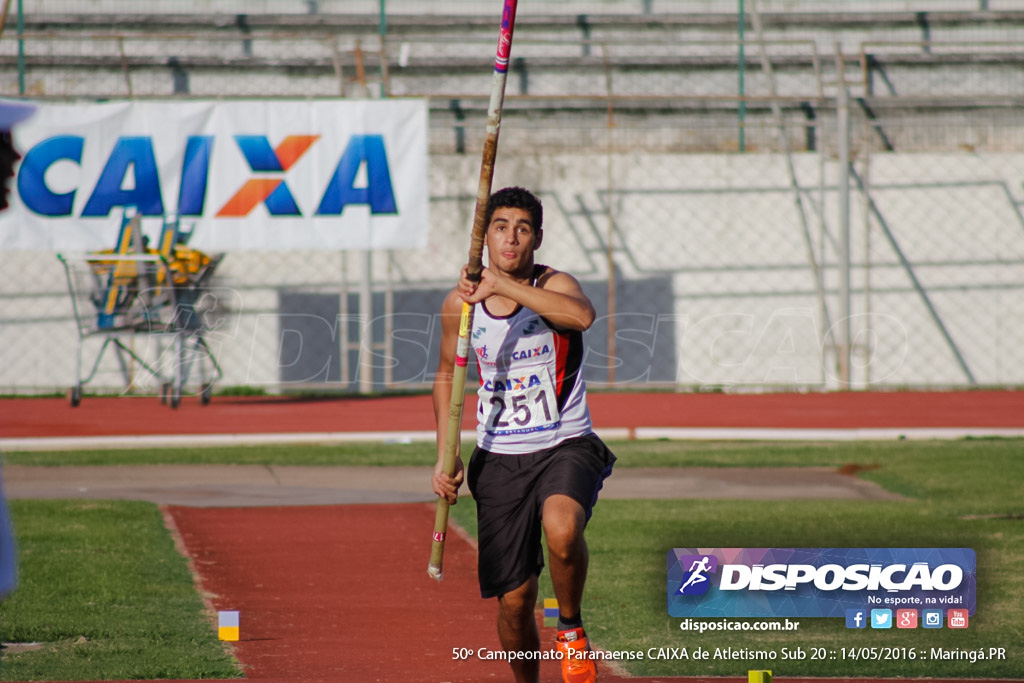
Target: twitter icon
(881,618)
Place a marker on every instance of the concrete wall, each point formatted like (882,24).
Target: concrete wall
(714,276)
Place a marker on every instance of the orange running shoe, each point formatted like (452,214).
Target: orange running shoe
(577,664)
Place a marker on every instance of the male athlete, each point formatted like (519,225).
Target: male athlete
(11,113)
(537,463)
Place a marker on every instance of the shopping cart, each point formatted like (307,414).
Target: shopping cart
(134,291)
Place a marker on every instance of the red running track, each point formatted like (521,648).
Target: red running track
(40,417)
(341,594)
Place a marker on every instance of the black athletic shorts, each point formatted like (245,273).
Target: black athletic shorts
(510,491)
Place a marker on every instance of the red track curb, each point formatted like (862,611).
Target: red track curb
(43,417)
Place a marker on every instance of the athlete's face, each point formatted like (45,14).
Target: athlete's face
(511,241)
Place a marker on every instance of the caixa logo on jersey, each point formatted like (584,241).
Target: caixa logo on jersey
(130,177)
(816,582)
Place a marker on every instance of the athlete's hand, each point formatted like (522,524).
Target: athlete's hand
(448,487)
(475,292)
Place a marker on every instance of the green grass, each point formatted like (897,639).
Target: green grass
(631,454)
(959,494)
(626,592)
(107,595)
(625,601)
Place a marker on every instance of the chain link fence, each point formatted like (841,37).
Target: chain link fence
(825,201)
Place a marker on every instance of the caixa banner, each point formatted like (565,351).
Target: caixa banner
(248,175)
(816,582)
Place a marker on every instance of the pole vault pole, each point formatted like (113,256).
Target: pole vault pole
(475,267)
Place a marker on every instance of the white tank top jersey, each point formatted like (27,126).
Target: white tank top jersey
(532,393)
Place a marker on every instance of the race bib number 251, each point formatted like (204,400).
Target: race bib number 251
(519,405)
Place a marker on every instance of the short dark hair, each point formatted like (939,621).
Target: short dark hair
(517,198)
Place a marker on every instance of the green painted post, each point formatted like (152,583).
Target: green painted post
(382,29)
(740,28)
(21,48)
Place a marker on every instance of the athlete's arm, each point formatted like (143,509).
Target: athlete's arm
(558,297)
(451,312)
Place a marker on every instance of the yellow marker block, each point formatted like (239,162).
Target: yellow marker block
(228,633)
(227,625)
(759,676)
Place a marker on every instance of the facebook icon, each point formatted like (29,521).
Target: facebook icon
(856,618)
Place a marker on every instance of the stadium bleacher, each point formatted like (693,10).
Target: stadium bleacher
(630,115)
(945,64)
